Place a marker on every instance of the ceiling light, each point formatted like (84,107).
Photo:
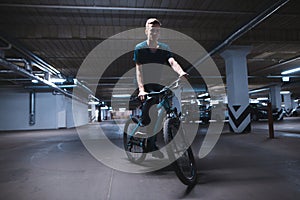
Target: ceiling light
(34,81)
(203,95)
(122,109)
(285,92)
(258,90)
(262,98)
(290,71)
(121,95)
(93,103)
(57,80)
(104,108)
(285,78)
(253,101)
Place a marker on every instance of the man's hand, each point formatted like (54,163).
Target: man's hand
(183,74)
(142,95)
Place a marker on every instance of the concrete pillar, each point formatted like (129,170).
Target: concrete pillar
(287,104)
(294,103)
(99,114)
(237,88)
(93,112)
(275,96)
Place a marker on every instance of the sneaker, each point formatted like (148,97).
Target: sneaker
(157,154)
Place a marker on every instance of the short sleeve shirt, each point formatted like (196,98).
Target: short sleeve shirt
(144,55)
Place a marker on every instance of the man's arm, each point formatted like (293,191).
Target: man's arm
(140,81)
(176,67)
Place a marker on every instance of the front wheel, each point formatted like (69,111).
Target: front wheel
(179,152)
(135,147)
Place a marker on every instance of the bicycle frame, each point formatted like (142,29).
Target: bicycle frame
(178,149)
(163,105)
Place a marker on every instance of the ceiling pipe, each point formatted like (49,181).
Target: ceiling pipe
(110,8)
(47,87)
(25,73)
(277,65)
(22,60)
(6,48)
(36,61)
(242,30)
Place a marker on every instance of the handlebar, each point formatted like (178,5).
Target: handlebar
(173,85)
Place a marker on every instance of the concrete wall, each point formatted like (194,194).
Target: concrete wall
(82,114)
(51,111)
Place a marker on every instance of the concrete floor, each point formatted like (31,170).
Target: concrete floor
(53,164)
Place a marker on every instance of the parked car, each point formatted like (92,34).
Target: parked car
(259,111)
(205,114)
(296,111)
(190,113)
(220,113)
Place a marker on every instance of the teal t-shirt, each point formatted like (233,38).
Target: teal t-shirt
(144,55)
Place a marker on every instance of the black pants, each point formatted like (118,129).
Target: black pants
(145,115)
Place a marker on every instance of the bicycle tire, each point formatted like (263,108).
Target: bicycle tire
(184,163)
(135,147)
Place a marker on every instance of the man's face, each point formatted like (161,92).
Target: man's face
(152,31)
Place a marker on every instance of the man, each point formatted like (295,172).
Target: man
(152,51)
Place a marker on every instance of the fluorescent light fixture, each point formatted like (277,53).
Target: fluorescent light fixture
(193,101)
(57,80)
(185,101)
(104,108)
(290,71)
(253,101)
(285,78)
(203,95)
(93,103)
(122,109)
(39,74)
(34,81)
(262,98)
(285,92)
(121,95)
(258,90)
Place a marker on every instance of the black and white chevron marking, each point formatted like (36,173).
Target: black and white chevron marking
(288,112)
(239,118)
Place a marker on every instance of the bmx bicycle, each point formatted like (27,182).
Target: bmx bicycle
(177,145)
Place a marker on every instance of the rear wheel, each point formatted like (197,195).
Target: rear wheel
(135,147)
(179,151)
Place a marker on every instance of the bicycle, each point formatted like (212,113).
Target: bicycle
(178,150)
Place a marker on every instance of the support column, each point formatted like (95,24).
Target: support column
(287,104)
(237,88)
(99,114)
(93,112)
(294,103)
(32,108)
(275,96)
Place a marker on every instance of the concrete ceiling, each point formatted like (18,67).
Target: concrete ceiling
(63,33)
